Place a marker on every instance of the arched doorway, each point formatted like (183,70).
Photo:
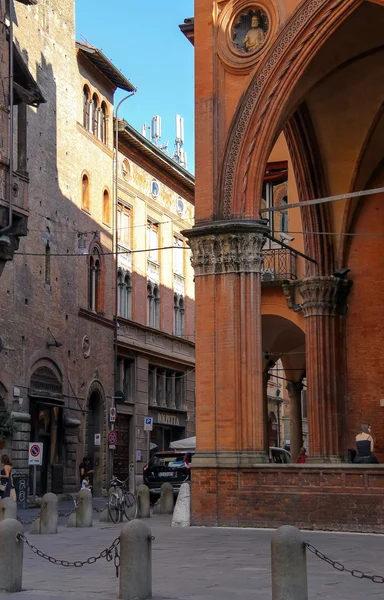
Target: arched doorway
(46,410)
(95,435)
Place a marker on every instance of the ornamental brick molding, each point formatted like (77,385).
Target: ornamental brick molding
(325,296)
(280,68)
(239,252)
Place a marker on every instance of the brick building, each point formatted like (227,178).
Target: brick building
(155,303)
(288,109)
(56,369)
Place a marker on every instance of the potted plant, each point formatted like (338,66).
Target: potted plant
(7,427)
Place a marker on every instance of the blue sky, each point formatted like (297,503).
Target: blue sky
(142,38)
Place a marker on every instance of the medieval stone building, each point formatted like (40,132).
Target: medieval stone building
(288,109)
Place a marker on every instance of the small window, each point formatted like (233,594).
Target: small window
(103,123)
(125,168)
(179,313)
(95,281)
(106,208)
(85,204)
(178,254)
(153,241)
(284,228)
(86,96)
(95,115)
(153,305)
(155,188)
(123,225)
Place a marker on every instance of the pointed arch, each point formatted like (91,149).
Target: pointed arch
(261,111)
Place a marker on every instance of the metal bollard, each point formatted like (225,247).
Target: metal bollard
(289,565)
(84,510)
(11,556)
(166,499)
(135,561)
(8,509)
(143,502)
(182,513)
(49,516)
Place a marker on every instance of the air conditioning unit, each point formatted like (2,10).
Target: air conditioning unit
(268,275)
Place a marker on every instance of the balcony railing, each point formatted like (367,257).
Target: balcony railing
(279,264)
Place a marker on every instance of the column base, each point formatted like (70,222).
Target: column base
(229,459)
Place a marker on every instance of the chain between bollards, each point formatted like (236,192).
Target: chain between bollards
(107,553)
(341,568)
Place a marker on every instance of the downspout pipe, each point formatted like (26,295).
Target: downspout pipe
(11,117)
(116,245)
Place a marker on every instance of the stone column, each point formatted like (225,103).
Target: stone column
(295,418)
(173,390)
(227,258)
(325,306)
(163,389)
(266,378)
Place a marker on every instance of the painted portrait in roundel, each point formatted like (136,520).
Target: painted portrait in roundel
(250,30)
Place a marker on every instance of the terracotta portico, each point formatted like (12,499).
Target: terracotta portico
(304,108)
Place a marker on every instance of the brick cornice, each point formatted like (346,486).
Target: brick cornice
(325,296)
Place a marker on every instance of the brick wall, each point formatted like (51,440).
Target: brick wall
(337,498)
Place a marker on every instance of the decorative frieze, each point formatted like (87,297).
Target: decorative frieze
(230,252)
(325,296)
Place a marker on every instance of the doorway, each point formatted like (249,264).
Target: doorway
(94,440)
(121,460)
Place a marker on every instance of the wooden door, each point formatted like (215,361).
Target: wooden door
(122,455)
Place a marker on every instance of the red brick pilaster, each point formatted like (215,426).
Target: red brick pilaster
(325,307)
(229,400)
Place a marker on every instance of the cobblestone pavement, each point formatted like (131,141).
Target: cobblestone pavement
(196,564)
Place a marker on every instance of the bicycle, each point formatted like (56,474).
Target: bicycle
(121,501)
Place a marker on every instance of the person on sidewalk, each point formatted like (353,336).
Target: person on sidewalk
(5,476)
(365,446)
(86,469)
(85,484)
(302,458)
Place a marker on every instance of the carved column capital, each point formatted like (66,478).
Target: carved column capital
(233,247)
(325,296)
(294,388)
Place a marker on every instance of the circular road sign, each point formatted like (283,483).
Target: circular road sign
(35,450)
(112,438)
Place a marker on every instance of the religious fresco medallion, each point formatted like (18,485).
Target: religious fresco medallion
(250,31)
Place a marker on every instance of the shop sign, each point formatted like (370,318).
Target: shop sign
(165,419)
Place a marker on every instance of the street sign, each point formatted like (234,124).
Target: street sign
(35,455)
(97,439)
(112,415)
(148,424)
(112,438)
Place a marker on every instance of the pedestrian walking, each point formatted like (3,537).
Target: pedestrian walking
(5,476)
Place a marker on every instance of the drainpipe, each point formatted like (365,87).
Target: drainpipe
(11,115)
(115,212)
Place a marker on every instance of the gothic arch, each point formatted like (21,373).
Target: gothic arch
(256,123)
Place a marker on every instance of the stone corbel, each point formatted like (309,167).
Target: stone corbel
(289,289)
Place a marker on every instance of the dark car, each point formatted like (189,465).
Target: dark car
(167,467)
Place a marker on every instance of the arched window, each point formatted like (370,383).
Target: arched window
(106,208)
(85,203)
(124,297)
(86,107)
(284,228)
(125,169)
(153,306)
(179,312)
(95,281)
(103,123)
(95,115)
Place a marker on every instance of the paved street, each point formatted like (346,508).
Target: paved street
(196,564)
